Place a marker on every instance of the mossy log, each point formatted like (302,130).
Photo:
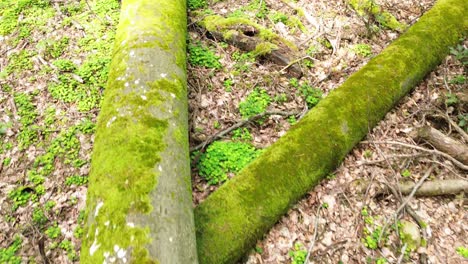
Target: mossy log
(231,220)
(249,36)
(139,206)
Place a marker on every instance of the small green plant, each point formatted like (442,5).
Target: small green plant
(281,98)
(223,157)
(8,255)
(460,53)
(463,121)
(49,205)
(451,99)
(298,254)
(458,79)
(228,85)
(243,60)
(367,153)
(200,55)
(20,196)
(6,162)
(242,134)
(406,173)
(216,124)
(20,61)
(294,82)
(38,216)
(3,128)
(363,50)
(292,120)
(76,180)
(78,232)
(55,49)
(311,95)
(53,231)
(279,17)
(463,251)
(68,247)
(196,4)
(255,103)
(64,65)
(381,261)
(258,249)
(371,238)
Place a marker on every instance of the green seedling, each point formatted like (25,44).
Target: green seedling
(196,4)
(76,180)
(255,103)
(200,55)
(53,232)
(242,134)
(298,254)
(462,251)
(8,255)
(363,50)
(223,157)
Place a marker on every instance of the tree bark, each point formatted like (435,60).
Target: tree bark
(231,219)
(444,143)
(139,206)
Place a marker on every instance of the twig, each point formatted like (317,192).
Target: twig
(422,225)
(432,151)
(403,249)
(416,187)
(314,237)
(410,211)
(403,156)
(453,124)
(296,61)
(238,125)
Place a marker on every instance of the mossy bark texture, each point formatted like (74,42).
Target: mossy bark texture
(231,220)
(139,206)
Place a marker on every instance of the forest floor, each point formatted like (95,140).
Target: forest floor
(53,68)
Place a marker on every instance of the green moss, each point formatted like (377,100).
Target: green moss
(264,48)
(367,8)
(244,208)
(226,25)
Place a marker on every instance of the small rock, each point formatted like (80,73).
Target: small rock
(410,234)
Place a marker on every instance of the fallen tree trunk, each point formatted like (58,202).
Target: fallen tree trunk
(444,143)
(139,206)
(231,219)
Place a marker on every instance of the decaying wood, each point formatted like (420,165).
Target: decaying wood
(444,143)
(245,38)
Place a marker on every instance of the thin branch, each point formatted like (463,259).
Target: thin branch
(403,249)
(239,124)
(314,237)
(432,151)
(403,156)
(453,124)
